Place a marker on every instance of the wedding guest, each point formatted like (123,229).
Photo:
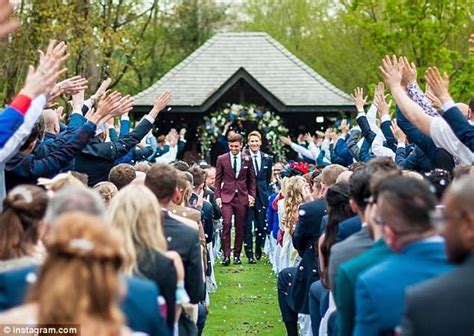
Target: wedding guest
(122,175)
(449,295)
(404,205)
(107,191)
(21,227)
(85,257)
(136,214)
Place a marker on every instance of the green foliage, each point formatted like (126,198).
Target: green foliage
(132,41)
(345,40)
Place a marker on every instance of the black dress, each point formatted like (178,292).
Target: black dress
(157,267)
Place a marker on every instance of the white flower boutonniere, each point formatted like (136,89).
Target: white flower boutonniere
(246,158)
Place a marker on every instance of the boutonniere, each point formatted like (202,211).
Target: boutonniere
(246,158)
(265,156)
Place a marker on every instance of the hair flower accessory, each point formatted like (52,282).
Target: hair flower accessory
(81,244)
(301,167)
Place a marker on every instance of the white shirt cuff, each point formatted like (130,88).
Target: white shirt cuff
(125,117)
(400,145)
(150,119)
(360,114)
(449,104)
(385,117)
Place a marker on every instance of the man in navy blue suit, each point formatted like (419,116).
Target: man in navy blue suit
(256,215)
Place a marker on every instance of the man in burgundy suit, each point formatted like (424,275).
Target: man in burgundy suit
(235,192)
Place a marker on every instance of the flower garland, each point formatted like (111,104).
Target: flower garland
(242,118)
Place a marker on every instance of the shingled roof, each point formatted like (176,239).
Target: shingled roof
(291,84)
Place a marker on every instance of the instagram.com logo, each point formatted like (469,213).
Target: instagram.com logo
(7,329)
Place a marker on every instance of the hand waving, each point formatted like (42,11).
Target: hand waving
(439,86)
(286,140)
(408,71)
(391,71)
(397,132)
(359,99)
(383,107)
(7,23)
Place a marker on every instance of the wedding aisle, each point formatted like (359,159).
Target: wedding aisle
(246,301)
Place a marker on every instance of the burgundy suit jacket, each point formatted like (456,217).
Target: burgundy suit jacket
(227,184)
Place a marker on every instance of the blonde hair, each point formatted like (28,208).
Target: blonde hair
(80,275)
(107,191)
(293,199)
(136,213)
(284,186)
(60,181)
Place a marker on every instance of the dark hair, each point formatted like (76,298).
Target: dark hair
(337,200)
(381,167)
(122,175)
(180,165)
(471,104)
(409,202)
(35,133)
(357,166)
(235,138)
(162,180)
(359,187)
(24,207)
(199,175)
(440,180)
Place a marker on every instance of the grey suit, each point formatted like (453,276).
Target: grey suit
(443,305)
(349,248)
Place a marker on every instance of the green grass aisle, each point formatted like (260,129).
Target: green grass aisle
(246,301)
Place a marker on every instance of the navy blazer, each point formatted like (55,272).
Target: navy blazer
(461,127)
(304,239)
(140,305)
(263,179)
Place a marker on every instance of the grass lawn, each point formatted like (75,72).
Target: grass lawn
(245,302)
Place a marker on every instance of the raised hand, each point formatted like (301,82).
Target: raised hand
(439,85)
(43,78)
(383,107)
(434,101)
(102,88)
(471,43)
(359,99)
(125,105)
(72,85)
(397,132)
(344,127)
(108,105)
(7,23)
(162,101)
(379,89)
(77,100)
(408,71)
(391,71)
(308,137)
(286,140)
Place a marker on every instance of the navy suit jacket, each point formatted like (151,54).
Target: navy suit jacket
(140,305)
(461,127)
(304,238)
(263,179)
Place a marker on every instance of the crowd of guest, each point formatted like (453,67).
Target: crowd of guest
(103,226)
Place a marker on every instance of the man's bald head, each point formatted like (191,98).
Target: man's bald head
(51,121)
(459,217)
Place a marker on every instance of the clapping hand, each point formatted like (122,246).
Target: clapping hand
(434,101)
(359,99)
(439,86)
(286,140)
(398,133)
(380,101)
(251,201)
(391,70)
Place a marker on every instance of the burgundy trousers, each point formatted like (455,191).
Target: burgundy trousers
(240,212)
